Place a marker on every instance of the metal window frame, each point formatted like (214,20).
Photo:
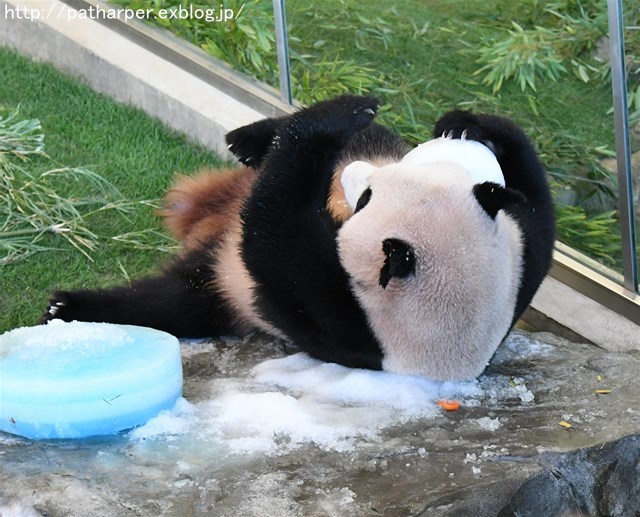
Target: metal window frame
(623,147)
(282,48)
(595,281)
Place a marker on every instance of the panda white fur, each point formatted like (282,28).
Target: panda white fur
(426,277)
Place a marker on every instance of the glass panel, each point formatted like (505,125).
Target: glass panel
(544,64)
(238,32)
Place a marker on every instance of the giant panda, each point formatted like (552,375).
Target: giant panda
(420,274)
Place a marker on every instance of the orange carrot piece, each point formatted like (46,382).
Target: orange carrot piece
(449,405)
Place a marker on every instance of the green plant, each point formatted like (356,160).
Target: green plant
(35,215)
(19,138)
(247,42)
(546,50)
(597,236)
(523,56)
(236,31)
(572,163)
(326,78)
(405,114)
(343,16)
(633,104)
(579,25)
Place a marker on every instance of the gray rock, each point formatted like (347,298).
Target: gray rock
(600,480)
(603,480)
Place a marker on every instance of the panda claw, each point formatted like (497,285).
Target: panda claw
(53,310)
(463,136)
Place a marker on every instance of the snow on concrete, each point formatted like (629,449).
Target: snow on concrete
(288,402)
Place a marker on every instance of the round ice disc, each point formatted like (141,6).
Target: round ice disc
(73,380)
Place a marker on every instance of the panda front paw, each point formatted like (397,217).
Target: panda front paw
(251,143)
(338,118)
(60,307)
(486,129)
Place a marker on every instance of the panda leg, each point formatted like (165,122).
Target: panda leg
(300,164)
(179,301)
(289,242)
(293,186)
(515,153)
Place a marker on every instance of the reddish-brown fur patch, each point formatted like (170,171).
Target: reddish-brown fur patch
(337,204)
(201,208)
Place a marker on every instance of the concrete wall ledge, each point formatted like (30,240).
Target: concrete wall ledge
(585,317)
(588,300)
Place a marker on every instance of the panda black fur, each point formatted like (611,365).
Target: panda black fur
(278,267)
(375,144)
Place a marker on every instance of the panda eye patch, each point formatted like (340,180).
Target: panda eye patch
(400,261)
(364,199)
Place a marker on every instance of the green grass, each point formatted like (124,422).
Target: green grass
(130,150)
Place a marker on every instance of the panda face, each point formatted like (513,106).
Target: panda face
(436,273)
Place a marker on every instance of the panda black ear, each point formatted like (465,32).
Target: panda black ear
(400,261)
(493,197)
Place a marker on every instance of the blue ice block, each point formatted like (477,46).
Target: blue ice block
(74,380)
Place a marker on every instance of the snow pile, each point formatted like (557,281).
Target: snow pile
(15,509)
(287,402)
(279,405)
(57,335)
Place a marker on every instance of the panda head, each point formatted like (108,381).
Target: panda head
(432,258)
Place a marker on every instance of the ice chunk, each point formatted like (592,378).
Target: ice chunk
(490,424)
(72,380)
